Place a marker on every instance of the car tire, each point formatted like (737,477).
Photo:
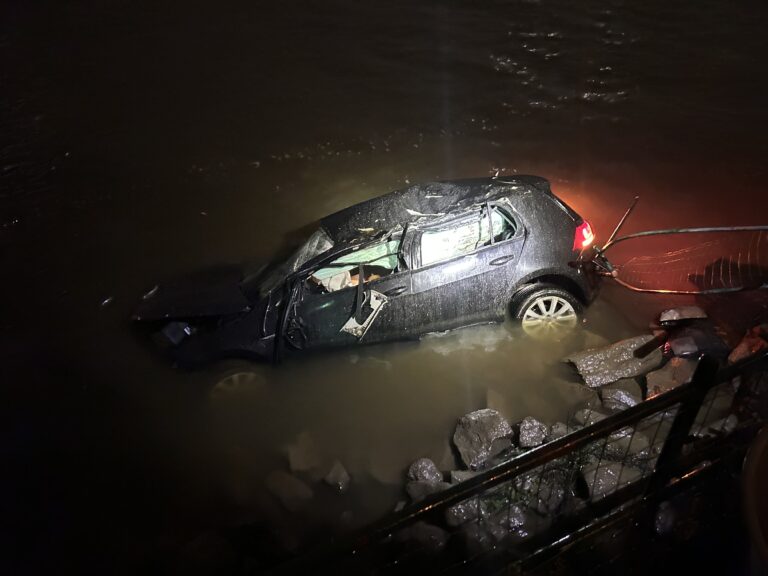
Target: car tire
(546,311)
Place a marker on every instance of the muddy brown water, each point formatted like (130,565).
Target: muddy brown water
(140,142)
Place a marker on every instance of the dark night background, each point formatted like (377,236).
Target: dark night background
(141,140)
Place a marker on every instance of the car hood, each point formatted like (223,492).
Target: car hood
(213,292)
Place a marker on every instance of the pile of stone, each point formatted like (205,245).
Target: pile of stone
(483,439)
(622,379)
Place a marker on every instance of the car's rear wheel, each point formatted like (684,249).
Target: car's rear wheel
(546,312)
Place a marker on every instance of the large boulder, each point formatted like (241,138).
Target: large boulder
(602,366)
(674,373)
(475,434)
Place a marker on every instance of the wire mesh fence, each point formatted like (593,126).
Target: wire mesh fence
(692,261)
(488,521)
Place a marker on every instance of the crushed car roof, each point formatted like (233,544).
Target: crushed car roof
(432,199)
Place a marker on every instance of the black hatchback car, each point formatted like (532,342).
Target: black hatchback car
(428,258)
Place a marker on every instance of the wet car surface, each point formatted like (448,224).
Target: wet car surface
(428,258)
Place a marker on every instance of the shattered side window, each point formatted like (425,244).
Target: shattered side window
(465,238)
(379,260)
(445,244)
(503,227)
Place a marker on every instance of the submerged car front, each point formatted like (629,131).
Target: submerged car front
(223,312)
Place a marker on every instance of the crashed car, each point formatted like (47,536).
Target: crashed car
(428,258)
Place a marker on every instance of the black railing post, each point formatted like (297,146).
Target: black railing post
(703,381)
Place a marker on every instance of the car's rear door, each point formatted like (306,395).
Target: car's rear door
(470,287)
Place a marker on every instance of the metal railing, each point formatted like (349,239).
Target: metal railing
(522,511)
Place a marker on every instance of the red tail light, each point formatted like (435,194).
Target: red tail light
(584,236)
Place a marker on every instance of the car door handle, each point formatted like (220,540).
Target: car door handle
(501,260)
(397,290)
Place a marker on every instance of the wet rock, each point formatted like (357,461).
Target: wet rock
(674,373)
(543,491)
(532,433)
(338,477)
(587,417)
(500,446)
(607,477)
(682,313)
(517,519)
(558,430)
(621,395)
(602,366)
(462,512)
(724,426)
(429,537)
(627,443)
(292,492)
(684,346)
(475,434)
(462,475)
(424,469)
(419,489)
(698,337)
(752,343)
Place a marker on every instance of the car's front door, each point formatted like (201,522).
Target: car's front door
(356,297)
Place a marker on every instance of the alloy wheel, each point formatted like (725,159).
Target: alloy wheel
(549,317)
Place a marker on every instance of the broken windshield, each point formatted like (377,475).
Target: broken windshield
(315,245)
